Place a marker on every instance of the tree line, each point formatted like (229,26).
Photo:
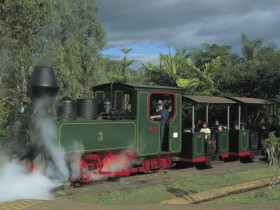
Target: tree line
(68,36)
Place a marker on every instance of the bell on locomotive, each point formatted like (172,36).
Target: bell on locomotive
(43,85)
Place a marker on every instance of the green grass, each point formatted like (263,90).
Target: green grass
(193,183)
(263,195)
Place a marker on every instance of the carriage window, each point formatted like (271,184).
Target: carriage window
(168,100)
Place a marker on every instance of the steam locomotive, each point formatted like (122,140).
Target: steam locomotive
(118,137)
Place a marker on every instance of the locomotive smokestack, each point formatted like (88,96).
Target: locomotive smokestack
(43,83)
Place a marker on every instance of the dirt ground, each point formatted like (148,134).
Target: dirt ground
(85,206)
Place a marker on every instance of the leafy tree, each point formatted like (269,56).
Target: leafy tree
(256,73)
(208,53)
(74,45)
(121,71)
(64,34)
(155,76)
(195,81)
(125,62)
(179,71)
(166,72)
(137,77)
(250,48)
(20,25)
(267,70)
(216,61)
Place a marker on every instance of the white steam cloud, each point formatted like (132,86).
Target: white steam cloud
(18,183)
(45,133)
(18,180)
(118,162)
(114,164)
(74,159)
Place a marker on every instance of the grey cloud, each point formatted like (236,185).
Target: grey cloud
(189,23)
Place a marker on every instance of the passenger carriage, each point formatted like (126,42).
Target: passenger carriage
(252,121)
(195,147)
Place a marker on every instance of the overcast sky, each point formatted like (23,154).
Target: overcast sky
(150,26)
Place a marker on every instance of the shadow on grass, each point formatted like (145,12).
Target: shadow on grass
(202,166)
(246,160)
(178,193)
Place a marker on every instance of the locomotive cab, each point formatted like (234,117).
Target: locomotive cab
(135,102)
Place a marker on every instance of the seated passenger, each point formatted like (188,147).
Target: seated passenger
(205,129)
(217,123)
(236,127)
(220,127)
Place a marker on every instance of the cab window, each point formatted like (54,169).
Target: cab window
(123,101)
(168,100)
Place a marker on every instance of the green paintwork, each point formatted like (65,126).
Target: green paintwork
(223,142)
(239,141)
(148,143)
(193,145)
(198,144)
(97,135)
(175,128)
(133,131)
(244,140)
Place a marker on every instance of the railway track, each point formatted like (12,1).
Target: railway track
(164,177)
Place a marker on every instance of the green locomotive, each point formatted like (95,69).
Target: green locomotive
(116,122)
(113,127)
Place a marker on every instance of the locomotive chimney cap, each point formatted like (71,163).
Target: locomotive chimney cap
(43,83)
(43,76)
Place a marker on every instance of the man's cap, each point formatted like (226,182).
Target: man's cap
(160,102)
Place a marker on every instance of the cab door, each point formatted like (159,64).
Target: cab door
(148,131)
(172,131)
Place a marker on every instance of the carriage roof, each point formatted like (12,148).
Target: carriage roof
(209,99)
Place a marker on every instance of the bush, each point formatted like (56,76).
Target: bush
(272,148)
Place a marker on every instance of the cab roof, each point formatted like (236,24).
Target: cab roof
(136,87)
